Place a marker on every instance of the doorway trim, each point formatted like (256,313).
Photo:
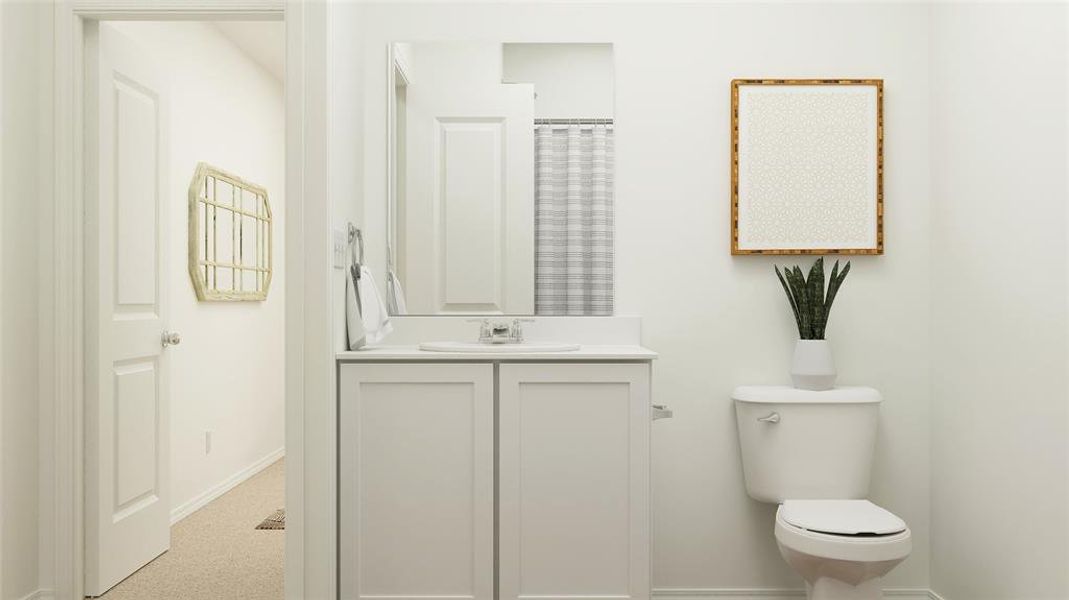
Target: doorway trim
(308,341)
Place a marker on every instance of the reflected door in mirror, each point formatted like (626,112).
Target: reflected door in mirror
(469,215)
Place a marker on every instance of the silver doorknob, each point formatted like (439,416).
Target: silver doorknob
(171,338)
(772,418)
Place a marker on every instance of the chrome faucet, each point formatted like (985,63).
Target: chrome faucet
(494,331)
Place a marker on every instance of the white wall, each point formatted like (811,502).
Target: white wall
(720,321)
(20,116)
(227,374)
(346,115)
(571,80)
(460,64)
(1000,405)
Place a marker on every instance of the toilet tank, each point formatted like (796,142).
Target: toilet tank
(799,444)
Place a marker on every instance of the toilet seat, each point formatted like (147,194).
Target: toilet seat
(868,545)
(841,517)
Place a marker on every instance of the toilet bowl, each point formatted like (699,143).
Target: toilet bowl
(842,548)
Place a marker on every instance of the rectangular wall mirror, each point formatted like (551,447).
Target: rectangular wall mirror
(501,178)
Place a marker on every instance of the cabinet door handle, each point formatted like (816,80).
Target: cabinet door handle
(661,411)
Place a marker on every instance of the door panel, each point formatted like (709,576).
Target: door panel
(127,481)
(134,437)
(469,198)
(472,197)
(416,455)
(136,111)
(574,481)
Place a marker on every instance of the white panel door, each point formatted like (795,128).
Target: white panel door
(127,502)
(573,469)
(469,199)
(416,459)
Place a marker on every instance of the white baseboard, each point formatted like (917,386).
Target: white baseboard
(728,594)
(910,593)
(773,594)
(932,595)
(200,501)
(39,595)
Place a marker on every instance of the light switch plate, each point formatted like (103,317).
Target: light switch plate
(340,242)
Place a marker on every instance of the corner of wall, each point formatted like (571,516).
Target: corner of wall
(46,406)
(23,73)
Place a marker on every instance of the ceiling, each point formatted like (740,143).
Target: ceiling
(263,41)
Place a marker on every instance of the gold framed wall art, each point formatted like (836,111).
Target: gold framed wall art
(807,166)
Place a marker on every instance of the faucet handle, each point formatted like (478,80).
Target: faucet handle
(516,330)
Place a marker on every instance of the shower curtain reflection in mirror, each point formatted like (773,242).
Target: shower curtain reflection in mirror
(574,218)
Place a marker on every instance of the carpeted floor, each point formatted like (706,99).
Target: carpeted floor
(217,553)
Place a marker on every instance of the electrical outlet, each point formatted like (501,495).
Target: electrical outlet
(341,241)
(207,442)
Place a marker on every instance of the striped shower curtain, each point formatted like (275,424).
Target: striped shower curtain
(573,219)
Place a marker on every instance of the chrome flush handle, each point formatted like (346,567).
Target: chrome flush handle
(661,411)
(772,418)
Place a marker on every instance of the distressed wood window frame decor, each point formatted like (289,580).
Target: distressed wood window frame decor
(807,166)
(230,244)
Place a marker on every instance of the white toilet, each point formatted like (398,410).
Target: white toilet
(811,453)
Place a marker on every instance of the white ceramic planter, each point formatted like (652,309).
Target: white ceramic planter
(813,367)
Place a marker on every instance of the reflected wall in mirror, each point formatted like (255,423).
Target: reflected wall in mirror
(501,179)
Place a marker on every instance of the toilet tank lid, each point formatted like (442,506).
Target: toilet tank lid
(784,394)
(841,517)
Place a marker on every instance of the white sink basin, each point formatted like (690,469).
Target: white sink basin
(497,348)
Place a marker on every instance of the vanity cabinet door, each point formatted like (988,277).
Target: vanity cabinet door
(573,476)
(416,497)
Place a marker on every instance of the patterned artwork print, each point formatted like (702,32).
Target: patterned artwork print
(807,168)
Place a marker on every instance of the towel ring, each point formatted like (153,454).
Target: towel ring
(358,236)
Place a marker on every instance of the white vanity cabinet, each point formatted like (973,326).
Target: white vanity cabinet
(493,478)
(416,487)
(573,481)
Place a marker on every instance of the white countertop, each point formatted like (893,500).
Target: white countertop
(584,353)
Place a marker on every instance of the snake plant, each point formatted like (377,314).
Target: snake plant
(807,297)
